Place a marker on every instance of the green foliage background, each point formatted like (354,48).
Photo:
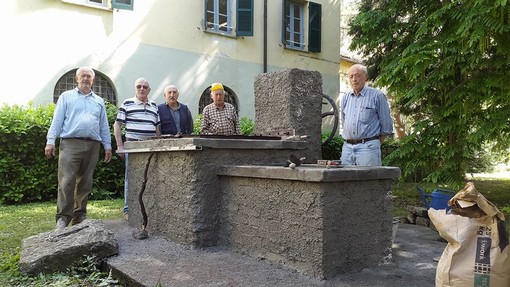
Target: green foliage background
(246,124)
(22,168)
(26,175)
(446,65)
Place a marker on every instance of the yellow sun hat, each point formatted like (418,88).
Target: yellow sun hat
(216,86)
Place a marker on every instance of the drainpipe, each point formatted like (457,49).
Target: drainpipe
(265,36)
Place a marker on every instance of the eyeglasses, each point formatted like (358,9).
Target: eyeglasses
(142,86)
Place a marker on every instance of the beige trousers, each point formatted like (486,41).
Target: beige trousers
(76,164)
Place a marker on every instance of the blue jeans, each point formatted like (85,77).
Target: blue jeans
(126,184)
(362,154)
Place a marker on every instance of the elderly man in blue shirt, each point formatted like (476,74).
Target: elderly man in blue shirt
(366,121)
(80,121)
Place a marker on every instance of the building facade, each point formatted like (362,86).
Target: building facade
(190,44)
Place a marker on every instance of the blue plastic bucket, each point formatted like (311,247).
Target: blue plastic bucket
(437,199)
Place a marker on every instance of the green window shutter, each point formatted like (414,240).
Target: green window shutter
(314,27)
(123,4)
(244,26)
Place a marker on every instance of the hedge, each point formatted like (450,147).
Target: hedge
(26,175)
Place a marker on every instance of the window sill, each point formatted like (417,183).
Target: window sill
(295,49)
(81,3)
(221,34)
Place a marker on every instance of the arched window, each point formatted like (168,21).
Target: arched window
(103,87)
(205,99)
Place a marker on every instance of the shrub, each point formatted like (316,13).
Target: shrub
(246,124)
(332,149)
(25,174)
(196,124)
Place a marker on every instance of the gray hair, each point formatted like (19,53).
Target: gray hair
(359,67)
(169,87)
(85,69)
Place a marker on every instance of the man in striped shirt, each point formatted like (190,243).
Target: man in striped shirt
(219,118)
(141,118)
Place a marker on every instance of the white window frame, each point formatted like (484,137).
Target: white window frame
(291,41)
(215,26)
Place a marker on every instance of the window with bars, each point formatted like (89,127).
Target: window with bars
(205,99)
(294,28)
(293,32)
(219,17)
(103,87)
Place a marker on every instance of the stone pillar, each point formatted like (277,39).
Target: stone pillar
(291,99)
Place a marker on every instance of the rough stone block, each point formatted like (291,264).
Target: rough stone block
(423,221)
(319,228)
(418,211)
(411,218)
(182,195)
(291,98)
(57,250)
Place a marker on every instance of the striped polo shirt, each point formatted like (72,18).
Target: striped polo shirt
(139,118)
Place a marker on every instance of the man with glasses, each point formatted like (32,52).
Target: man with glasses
(141,118)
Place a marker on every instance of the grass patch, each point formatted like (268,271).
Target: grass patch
(20,221)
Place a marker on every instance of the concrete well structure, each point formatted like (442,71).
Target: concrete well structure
(236,193)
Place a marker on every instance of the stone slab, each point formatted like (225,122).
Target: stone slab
(311,172)
(147,262)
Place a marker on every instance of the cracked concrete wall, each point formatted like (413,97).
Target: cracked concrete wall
(182,195)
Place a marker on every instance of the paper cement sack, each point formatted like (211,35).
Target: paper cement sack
(477,253)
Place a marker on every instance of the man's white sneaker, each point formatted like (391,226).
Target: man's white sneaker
(61,224)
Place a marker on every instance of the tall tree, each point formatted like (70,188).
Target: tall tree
(447,62)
